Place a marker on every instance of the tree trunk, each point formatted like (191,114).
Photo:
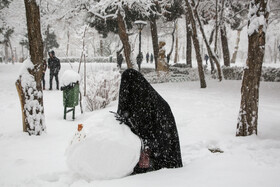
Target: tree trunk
(248,113)
(11,49)
(6,52)
(67,48)
(225,46)
(176,46)
(83,49)
(216,28)
(22,54)
(209,51)
(22,103)
(172,44)
(101,47)
(224,39)
(196,46)
(211,36)
(154,33)
(125,41)
(46,50)
(275,50)
(85,75)
(189,41)
(234,55)
(16,56)
(68,43)
(29,84)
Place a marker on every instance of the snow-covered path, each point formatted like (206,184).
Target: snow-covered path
(206,118)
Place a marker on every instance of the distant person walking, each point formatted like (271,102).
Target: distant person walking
(54,66)
(147,57)
(206,57)
(43,73)
(151,58)
(119,59)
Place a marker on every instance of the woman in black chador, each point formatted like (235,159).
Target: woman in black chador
(149,116)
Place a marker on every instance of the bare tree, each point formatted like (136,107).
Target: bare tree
(125,41)
(29,83)
(176,46)
(210,53)
(248,114)
(173,40)
(224,39)
(196,45)
(234,54)
(189,41)
(154,33)
(216,27)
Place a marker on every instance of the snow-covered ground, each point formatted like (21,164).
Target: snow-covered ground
(206,118)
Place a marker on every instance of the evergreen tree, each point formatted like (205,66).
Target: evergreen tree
(5,30)
(24,42)
(50,41)
(119,17)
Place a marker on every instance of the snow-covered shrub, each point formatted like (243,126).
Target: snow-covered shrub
(232,73)
(157,77)
(109,59)
(179,65)
(102,88)
(175,74)
(270,74)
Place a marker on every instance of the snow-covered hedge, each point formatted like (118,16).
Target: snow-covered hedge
(109,59)
(102,88)
(175,74)
(269,74)
(232,73)
(180,73)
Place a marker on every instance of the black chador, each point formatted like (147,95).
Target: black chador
(149,116)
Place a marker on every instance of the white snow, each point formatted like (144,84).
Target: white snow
(256,20)
(36,117)
(69,76)
(109,151)
(206,118)
(27,78)
(255,23)
(140,22)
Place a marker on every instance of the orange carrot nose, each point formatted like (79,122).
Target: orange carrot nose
(80,127)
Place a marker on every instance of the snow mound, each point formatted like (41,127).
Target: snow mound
(109,150)
(69,76)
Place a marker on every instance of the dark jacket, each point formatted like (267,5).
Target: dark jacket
(206,57)
(151,57)
(119,59)
(54,64)
(149,116)
(44,66)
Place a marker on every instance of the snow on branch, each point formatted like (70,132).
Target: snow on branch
(33,109)
(109,8)
(257,18)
